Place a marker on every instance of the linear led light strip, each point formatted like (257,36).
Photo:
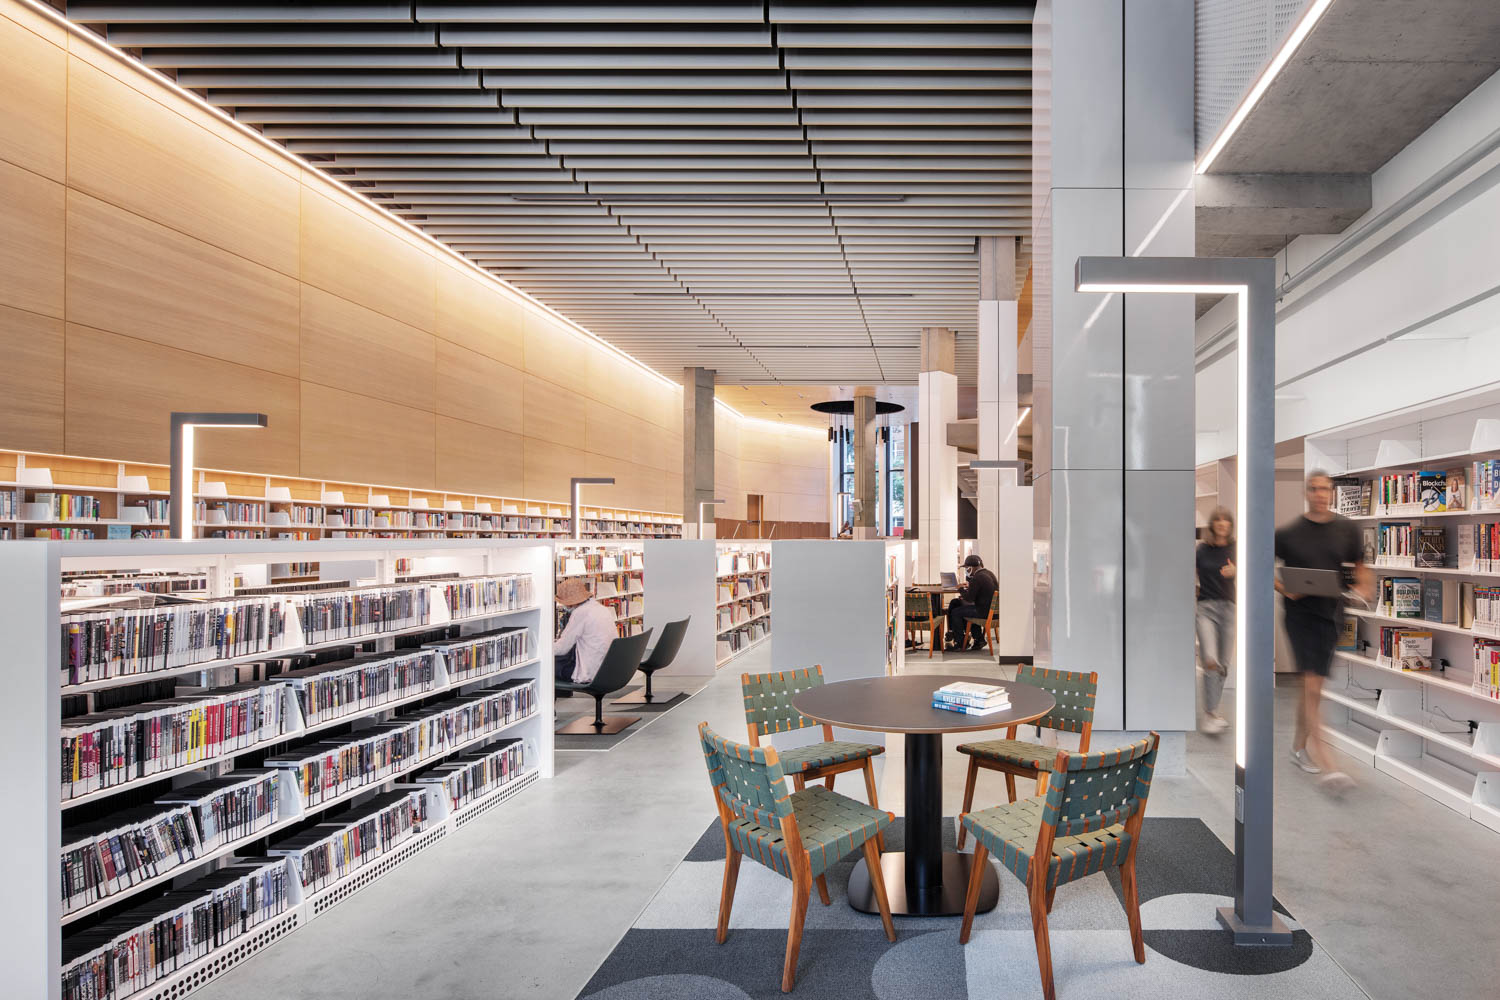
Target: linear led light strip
(1300,31)
(51,14)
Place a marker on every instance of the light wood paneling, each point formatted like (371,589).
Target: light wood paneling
(129,275)
(347,252)
(479,459)
(551,413)
(31,380)
(557,354)
(131,151)
(349,347)
(33,98)
(608,431)
(477,389)
(477,314)
(347,436)
(121,391)
(31,241)
(546,469)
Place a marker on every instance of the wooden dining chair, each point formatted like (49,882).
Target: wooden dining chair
(798,835)
(990,623)
(1073,713)
(1088,821)
(920,618)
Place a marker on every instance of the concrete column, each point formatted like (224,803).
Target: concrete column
(1113,383)
(864,462)
(937,469)
(697,449)
(1005,518)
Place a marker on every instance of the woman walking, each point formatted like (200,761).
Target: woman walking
(1215,614)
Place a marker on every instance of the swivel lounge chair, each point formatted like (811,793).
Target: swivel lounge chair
(621,661)
(659,657)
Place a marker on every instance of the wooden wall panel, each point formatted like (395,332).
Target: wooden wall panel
(353,437)
(33,95)
(554,353)
(349,347)
(129,275)
(552,413)
(477,315)
(121,391)
(131,151)
(31,380)
(32,212)
(608,431)
(479,459)
(348,252)
(478,389)
(547,467)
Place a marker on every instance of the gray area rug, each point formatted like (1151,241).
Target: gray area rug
(579,705)
(1185,874)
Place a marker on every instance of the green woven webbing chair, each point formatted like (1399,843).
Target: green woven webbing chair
(989,623)
(1073,713)
(919,618)
(799,835)
(768,709)
(1088,821)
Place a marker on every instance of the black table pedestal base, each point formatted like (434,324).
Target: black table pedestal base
(944,900)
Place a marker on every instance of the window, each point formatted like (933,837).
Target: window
(896,479)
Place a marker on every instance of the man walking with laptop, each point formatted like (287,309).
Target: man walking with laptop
(1323,557)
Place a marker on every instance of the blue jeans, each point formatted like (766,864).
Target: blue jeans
(564,664)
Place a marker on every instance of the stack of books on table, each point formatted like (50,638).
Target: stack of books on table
(971,699)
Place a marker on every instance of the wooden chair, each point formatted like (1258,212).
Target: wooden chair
(990,622)
(800,835)
(1088,821)
(920,618)
(1073,713)
(768,709)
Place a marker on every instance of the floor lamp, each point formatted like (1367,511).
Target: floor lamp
(1252,280)
(180,514)
(574,484)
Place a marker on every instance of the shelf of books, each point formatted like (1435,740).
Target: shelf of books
(616,574)
(1415,689)
(66,497)
(239,755)
(742,581)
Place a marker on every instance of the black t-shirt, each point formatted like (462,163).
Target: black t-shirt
(1309,544)
(980,590)
(1213,585)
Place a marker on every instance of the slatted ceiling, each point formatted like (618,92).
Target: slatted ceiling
(784,191)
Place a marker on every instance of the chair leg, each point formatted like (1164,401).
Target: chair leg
(1043,944)
(971,895)
(798,782)
(726,898)
(829,783)
(877,882)
(823,896)
(801,889)
(648,674)
(991,629)
(598,711)
(1050,894)
(1133,907)
(870,791)
(1010,785)
(963,833)
(932,638)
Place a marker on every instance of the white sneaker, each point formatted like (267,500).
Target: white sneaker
(1217,723)
(1336,783)
(1302,760)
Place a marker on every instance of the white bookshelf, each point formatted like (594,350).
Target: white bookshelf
(616,575)
(1436,730)
(32,927)
(742,598)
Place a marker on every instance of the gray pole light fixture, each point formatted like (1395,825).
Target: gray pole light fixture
(701,505)
(180,507)
(576,482)
(1252,280)
(1018,464)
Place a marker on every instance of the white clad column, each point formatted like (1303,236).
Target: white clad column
(937,474)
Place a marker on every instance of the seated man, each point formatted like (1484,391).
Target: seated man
(973,601)
(589,630)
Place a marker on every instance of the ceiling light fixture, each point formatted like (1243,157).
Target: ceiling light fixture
(705,199)
(1283,55)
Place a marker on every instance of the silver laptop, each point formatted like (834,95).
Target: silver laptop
(1313,582)
(948,579)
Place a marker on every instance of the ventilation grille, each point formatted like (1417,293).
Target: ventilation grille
(216,965)
(348,887)
(1235,38)
(505,794)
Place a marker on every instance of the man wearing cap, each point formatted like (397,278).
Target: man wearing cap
(973,601)
(589,631)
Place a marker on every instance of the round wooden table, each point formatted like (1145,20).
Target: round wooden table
(923,880)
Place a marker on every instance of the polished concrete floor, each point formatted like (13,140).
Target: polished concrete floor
(527,901)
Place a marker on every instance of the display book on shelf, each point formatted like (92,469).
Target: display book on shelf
(742,581)
(66,497)
(1415,688)
(616,575)
(238,766)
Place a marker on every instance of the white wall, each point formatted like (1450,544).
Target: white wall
(1428,277)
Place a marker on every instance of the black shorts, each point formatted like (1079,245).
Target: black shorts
(1312,638)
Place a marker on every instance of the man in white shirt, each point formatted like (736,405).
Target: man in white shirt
(580,649)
